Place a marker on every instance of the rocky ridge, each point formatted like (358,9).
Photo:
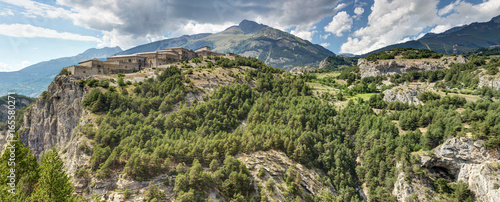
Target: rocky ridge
(399,66)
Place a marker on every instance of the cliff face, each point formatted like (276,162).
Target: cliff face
(399,66)
(51,119)
(466,160)
(469,161)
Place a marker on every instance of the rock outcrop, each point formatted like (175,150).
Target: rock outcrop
(51,119)
(402,94)
(399,66)
(302,69)
(406,189)
(469,161)
(492,81)
(276,164)
(323,63)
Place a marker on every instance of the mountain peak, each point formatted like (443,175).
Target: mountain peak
(248,26)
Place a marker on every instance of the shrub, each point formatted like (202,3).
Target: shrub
(92,82)
(127,193)
(262,172)
(82,173)
(65,71)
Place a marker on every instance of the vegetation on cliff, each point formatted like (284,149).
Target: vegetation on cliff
(405,53)
(346,130)
(33,181)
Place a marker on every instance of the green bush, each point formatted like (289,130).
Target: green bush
(65,71)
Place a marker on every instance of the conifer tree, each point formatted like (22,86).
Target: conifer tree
(53,184)
(18,157)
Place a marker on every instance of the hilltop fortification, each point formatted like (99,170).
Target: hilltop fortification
(135,62)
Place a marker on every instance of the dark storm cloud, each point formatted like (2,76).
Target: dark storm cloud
(152,17)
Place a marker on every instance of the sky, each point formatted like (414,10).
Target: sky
(34,31)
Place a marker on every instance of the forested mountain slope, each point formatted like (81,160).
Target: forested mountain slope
(234,128)
(467,37)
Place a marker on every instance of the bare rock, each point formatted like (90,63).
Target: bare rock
(397,66)
(461,59)
(276,164)
(492,81)
(323,63)
(302,69)
(419,189)
(51,119)
(469,161)
(402,94)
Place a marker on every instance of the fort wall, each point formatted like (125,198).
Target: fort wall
(132,63)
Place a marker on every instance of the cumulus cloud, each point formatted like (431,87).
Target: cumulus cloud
(30,31)
(440,29)
(461,13)
(392,21)
(6,12)
(25,63)
(5,67)
(9,68)
(326,35)
(358,11)
(196,28)
(304,32)
(134,20)
(325,44)
(341,22)
(340,7)
(34,9)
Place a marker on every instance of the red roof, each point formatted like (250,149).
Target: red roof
(415,83)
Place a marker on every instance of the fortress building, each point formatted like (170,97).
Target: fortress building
(135,62)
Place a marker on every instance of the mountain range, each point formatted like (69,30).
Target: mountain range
(34,79)
(272,46)
(467,37)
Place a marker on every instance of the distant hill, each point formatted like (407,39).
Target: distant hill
(335,62)
(494,50)
(468,38)
(34,79)
(272,46)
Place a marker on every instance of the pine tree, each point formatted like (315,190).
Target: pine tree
(26,171)
(53,184)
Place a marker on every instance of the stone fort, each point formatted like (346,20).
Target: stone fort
(135,62)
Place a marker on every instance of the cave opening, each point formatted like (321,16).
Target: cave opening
(441,172)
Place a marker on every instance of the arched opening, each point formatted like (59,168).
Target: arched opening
(441,172)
